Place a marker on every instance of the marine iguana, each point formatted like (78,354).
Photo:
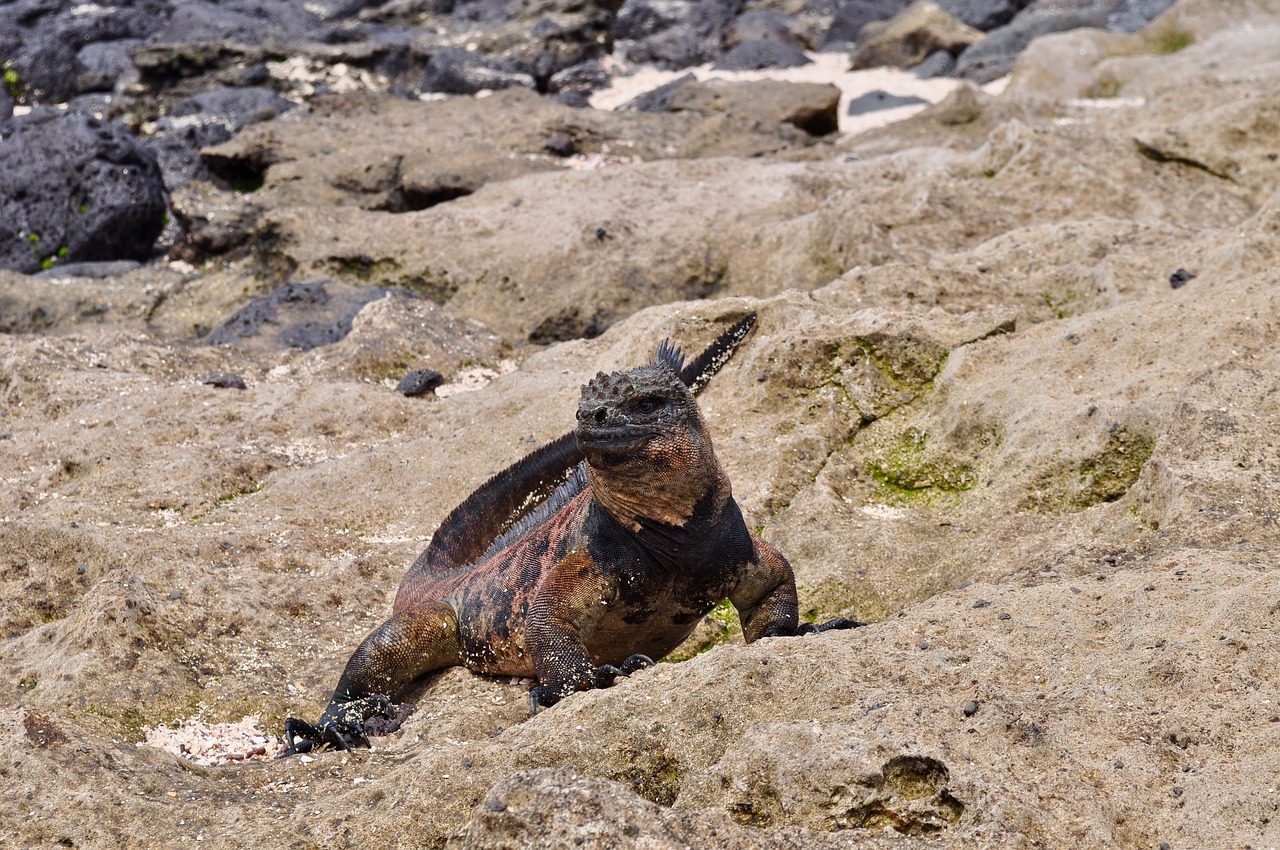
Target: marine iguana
(619,564)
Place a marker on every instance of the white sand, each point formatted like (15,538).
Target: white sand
(826,68)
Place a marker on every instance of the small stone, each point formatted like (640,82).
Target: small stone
(224,381)
(80,570)
(419,382)
(1164,845)
(1004,615)
(981,603)
(175,594)
(924,644)
(1179,279)
(971,708)
(1177,790)
(496,805)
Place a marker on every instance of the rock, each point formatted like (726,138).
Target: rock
(453,70)
(574,85)
(45,69)
(6,105)
(853,15)
(810,107)
(205,120)
(920,30)
(74,188)
(223,381)
(214,220)
(419,382)
(995,55)
(876,100)
(1133,15)
(673,33)
(106,65)
(767,24)
(296,315)
(938,64)
(110,268)
(659,99)
(984,14)
(758,54)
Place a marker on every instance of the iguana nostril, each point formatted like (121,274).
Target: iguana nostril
(600,415)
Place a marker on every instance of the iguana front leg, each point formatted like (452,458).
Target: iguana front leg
(413,642)
(562,613)
(766,598)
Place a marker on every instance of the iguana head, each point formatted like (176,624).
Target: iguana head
(648,453)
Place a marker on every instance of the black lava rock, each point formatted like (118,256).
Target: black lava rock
(674,33)
(1179,278)
(971,708)
(296,315)
(574,85)
(419,382)
(452,70)
(75,188)
(993,57)
(1133,15)
(984,14)
(767,23)
(761,53)
(224,381)
(207,119)
(852,16)
(43,69)
(874,101)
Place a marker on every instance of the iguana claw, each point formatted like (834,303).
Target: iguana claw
(344,725)
(603,676)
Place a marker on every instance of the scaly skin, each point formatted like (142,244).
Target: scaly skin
(618,567)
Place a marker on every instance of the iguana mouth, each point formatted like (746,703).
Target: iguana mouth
(615,437)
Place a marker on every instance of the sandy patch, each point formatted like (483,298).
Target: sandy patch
(826,68)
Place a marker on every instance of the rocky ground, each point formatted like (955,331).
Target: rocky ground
(1013,397)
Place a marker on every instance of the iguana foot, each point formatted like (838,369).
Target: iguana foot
(636,662)
(829,625)
(345,725)
(602,677)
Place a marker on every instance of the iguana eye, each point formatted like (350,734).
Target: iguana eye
(648,404)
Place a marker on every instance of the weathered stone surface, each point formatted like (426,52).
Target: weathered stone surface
(910,37)
(983,419)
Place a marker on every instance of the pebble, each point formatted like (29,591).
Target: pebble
(971,708)
(224,381)
(419,382)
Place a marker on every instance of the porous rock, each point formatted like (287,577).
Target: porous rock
(75,188)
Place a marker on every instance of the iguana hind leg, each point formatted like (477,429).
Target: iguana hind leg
(412,643)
